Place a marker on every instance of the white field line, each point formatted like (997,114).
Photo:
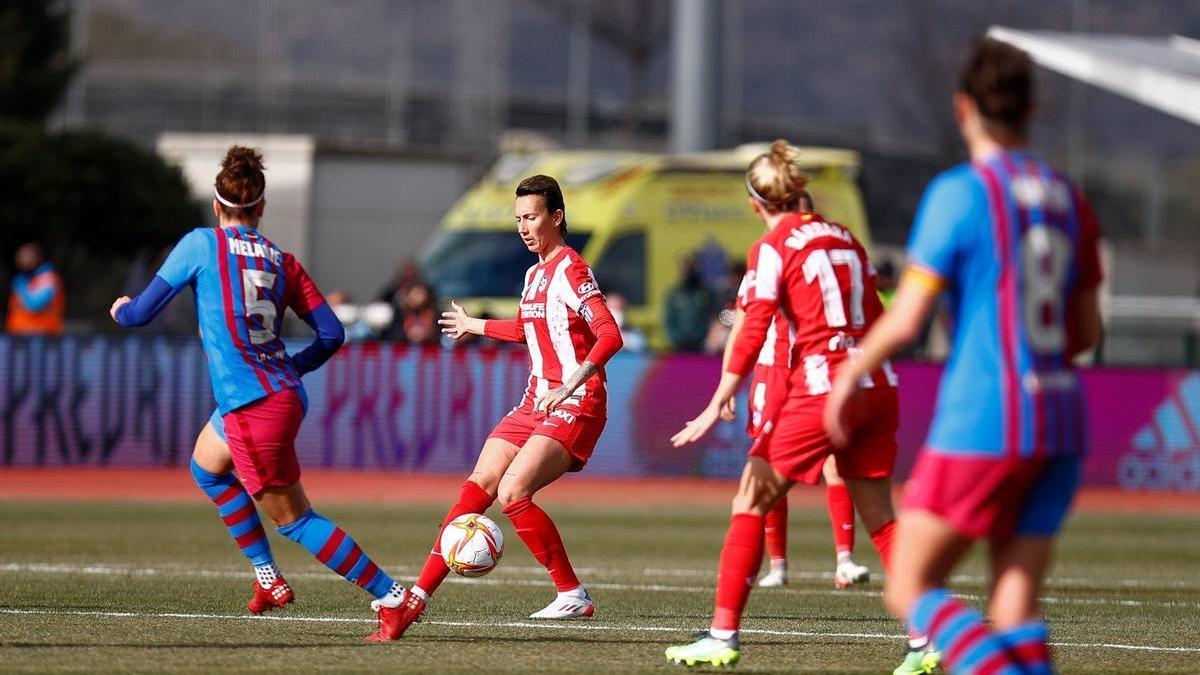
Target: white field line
(579,626)
(504,580)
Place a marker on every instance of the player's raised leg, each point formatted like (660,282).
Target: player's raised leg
(212,470)
(841,517)
(541,461)
(477,494)
(741,555)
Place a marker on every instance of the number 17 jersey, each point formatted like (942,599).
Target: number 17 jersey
(1012,242)
(242,284)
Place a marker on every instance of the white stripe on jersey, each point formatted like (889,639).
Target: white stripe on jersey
(558,323)
(535,351)
(766,355)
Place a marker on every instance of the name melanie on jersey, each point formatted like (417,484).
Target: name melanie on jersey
(251,249)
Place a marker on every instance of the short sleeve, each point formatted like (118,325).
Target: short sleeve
(303,296)
(190,255)
(1089,274)
(953,204)
(580,285)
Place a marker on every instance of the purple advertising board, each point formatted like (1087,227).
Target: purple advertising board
(140,400)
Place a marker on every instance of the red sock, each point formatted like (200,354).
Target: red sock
(776,529)
(841,516)
(882,538)
(472,499)
(740,557)
(541,537)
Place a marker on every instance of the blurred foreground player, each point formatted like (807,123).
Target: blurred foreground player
(571,334)
(768,391)
(243,284)
(1013,244)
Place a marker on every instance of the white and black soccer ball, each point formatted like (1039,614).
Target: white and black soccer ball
(471,545)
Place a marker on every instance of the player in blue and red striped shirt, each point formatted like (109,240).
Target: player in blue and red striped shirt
(242,285)
(1012,243)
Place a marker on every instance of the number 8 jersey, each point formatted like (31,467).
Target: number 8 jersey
(818,275)
(242,283)
(1012,242)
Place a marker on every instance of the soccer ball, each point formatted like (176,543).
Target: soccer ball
(471,545)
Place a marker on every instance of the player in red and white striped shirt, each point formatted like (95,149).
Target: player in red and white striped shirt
(571,335)
(817,274)
(768,392)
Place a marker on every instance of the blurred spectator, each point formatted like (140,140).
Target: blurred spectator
(407,275)
(350,315)
(35,305)
(690,306)
(712,264)
(419,318)
(885,282)
(635,340)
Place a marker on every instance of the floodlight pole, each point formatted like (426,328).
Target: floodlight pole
(695,75)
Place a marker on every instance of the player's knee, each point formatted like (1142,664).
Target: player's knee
(510,492)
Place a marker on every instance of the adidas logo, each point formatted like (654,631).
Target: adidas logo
(1165,453)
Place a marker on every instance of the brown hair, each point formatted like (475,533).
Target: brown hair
(999,79)
(775,180)
(547,188)
(241,182)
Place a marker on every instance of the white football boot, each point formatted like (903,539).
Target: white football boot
(573,604)
(777,576)
(849,573)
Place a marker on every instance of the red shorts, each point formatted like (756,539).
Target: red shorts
(795,443)
(262,440)
(577,433)
(768,392)
(994,497)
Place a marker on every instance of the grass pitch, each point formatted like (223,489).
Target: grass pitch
(160,587)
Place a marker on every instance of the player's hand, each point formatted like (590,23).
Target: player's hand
(454,323)
(550,400)
(729,410)
(836,417)
(123,300)
(695,429)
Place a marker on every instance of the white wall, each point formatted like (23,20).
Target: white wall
(369,213)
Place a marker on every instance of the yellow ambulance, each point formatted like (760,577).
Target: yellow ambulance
(633,216)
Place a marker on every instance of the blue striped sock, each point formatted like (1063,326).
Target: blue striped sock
(960,633)
(1029,643)
(237,511)
(338,551)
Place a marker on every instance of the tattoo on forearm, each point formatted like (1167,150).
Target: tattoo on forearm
(585,371)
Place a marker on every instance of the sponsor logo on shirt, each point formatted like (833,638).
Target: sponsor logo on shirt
(545,281)
(586,288)
(533,310)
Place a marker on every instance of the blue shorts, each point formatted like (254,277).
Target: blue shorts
(1050,498)
(218,423)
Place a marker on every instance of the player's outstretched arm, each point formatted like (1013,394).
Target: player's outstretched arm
(330,337)
(142,309)
(896,328)
(457,323)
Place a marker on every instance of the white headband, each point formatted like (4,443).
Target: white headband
(761,199)
(232,205)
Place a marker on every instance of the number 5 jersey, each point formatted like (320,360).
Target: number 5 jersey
(242,284)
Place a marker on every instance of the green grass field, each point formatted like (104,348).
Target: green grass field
(159,587)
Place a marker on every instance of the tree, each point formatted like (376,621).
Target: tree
(35,61)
